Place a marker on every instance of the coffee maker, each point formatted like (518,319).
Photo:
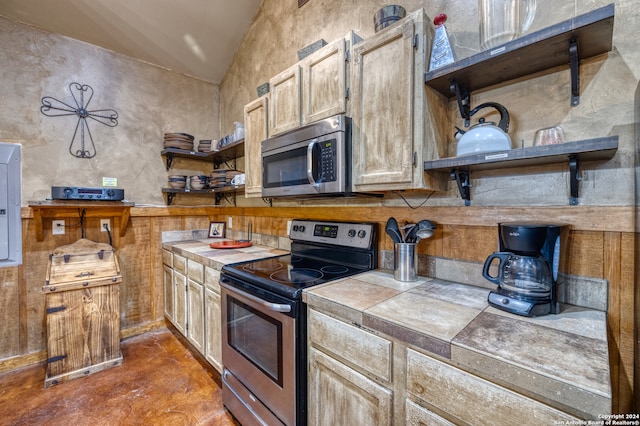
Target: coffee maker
(530,256)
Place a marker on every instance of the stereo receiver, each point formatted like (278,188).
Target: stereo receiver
(90,194)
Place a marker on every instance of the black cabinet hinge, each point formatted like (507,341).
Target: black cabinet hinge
(55,309)
(56,358)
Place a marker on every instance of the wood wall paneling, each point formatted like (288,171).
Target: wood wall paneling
(601,245)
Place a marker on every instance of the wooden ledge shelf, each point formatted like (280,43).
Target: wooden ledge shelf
(540,51)
(57,209)
(459,168)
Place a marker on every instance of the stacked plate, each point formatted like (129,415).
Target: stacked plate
(177,181)
(218,178)
(178,140)
(198,181)
(204,145)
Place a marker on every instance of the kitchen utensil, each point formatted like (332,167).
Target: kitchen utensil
(405,262)
(249,235)
(425,229)
(393,230)
(503,20)
(549,136)
(441,52)
(485,136)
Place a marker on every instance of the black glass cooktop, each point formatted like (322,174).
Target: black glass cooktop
(288,275)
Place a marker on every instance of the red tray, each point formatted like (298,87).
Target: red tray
(230,244)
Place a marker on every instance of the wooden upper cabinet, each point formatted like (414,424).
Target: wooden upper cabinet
(285,101)
(255,131)
(324,82)
(397,121)
(312,89)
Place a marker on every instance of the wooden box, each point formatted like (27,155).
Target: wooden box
(82,299)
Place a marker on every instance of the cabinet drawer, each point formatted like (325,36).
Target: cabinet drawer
(362,350)
(212,279)
(179,264)
(450,389)
(167,258)
(195,271)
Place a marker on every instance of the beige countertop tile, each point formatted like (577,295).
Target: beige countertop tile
(200,251)
(560,359)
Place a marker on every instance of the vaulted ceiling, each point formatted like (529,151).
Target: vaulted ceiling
(194,37)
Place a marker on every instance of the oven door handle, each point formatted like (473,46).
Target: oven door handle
(276,307)
(310,148)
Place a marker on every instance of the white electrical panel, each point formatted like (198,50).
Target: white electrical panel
(10,217)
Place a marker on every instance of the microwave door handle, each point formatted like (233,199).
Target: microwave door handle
(312,181)
(276,307)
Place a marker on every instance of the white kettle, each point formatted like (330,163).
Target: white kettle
(485,136)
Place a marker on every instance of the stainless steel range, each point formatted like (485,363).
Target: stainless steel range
(264,353)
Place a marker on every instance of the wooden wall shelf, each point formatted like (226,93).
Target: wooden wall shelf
(460,168)
(539,51)
(221,192)
(230,152)
(58,209)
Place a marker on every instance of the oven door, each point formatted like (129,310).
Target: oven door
(258,354)
(310,167)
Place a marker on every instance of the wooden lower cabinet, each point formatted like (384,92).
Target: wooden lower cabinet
(192,304)
(339,395)
(417,415)
(358,376)
(195,315)
(468,399)
(167,278)
(180,302)
(213,319)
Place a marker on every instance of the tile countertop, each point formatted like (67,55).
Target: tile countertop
(199,251)
(561,360)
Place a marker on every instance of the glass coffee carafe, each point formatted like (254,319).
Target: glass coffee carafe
(521,275)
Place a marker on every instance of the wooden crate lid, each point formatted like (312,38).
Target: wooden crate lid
(84,263)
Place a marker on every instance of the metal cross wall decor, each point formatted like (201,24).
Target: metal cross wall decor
(54,108)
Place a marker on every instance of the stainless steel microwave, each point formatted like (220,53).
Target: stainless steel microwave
(313,160)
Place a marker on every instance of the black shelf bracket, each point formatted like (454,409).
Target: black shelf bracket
(462,179)
(574,179)
(463,95)
(170,197)
(229,197)
(574,64)
(168,160)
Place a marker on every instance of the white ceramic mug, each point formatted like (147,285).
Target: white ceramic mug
(238,179)
(503,20)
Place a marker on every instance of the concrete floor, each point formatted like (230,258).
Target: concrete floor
(159,383)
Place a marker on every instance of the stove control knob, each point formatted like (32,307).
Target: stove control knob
(362,233)
(352,233)
(295,228)
(505,301)
(301,228)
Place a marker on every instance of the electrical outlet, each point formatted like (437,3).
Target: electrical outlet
(230,222)
(288,227)
(57,227)
(103,223)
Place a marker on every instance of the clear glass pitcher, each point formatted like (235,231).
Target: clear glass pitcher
(503,20)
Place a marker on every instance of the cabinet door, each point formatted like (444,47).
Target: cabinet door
(284,112)
(339,395)
(168,292)
(179,301)
(213,320)
(195,315)
(324,82)
(255,131)
(382,107)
